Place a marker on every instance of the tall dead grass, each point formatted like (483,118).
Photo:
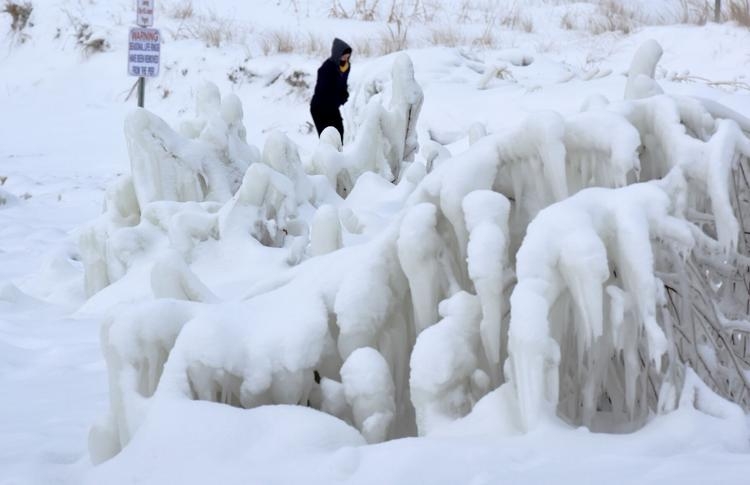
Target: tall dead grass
(211,28)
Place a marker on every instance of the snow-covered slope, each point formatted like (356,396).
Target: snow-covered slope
(206,291)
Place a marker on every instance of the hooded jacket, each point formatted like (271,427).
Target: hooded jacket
(331,90)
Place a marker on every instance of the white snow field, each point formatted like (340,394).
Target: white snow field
(528,262)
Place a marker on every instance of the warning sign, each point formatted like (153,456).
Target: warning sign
(144,47)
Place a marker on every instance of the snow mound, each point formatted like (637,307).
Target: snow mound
(7,199)
(188,441)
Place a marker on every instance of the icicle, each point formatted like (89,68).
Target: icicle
(326,231)
(418,251)
(487,221)
(641,82)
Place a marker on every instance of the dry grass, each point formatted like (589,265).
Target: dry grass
(241,75)
(487,40)
(394,38)
(695,12)
(366,10)
(423,11)
(315,45)
(277,42)
(87,40)
(446,35)
(437,23)
(701,11)
(567,21)
(463,14)
(517,20)
(613,17)
(363,47)
(211,29)
(94,45)
(739,11)
(19,13)
(527,24)
(181,10)
(84,36)
(286,42)
(298,80)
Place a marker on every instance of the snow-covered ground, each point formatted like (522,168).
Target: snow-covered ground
(62,112)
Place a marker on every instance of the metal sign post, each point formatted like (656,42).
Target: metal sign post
(144,47)
(141,91)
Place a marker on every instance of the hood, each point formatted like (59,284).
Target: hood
(338,49)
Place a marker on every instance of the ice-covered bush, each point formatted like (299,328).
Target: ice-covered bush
(207,183)
(383,141)
(619,290)
(584,264)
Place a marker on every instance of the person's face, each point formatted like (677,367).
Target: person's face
(345,58)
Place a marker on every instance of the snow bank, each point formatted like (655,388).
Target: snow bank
(196,442)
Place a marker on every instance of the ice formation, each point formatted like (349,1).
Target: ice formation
(369,391)
(208,185)
(443,363)
(386,138)
(584,265)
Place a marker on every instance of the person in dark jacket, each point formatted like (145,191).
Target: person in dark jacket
(331,90)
